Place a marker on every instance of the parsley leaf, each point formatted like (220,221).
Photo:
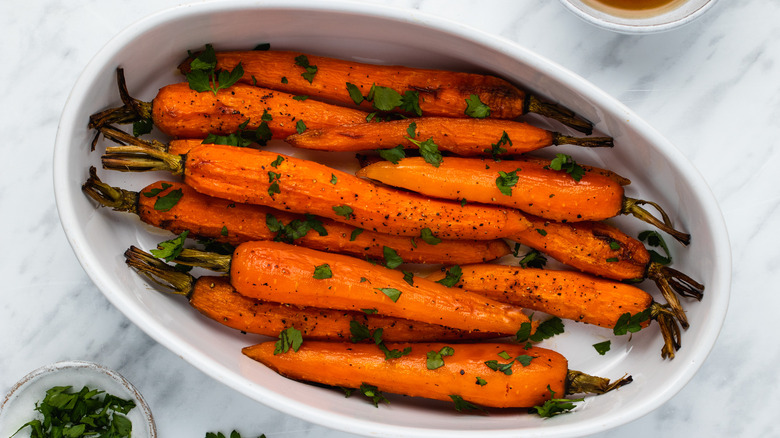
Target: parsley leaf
(310,70)
(534,259)
(263,47)
(429,151)
(355,233)
(409,277)
(427,236)
(655,239)
(496,149)
(475,108)
(392,259)
(481,381)
(343,210)
(333,179)
(452,277)
(631,323)
(295,229)
(393,155)
(555,406)
(567,164)
(435,359)
(547,329)
(167,202)
(156,191)
(384,98)
(300,127)
(463,405)
(202,76)
(170,249)
(322,272)
(288,338)
(411,102)
(373,393)
(506,181)
(355,94)
(603,347)
(392,293)
(143,126)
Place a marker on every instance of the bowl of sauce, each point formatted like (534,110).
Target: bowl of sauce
(638,16)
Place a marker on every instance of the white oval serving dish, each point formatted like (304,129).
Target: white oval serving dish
(151,49)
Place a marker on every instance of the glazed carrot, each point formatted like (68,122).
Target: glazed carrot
(604,250)
(350,366)
(231,222)
(216,299)
(179,111)
(536,189)
(568,295)
(465,137)
(276,271)
(300,186)
(441,93)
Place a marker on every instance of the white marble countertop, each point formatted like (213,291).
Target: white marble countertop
(712,88)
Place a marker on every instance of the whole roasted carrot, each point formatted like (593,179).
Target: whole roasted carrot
(216,299)
(478,373)
(180,111)
(604,250)
(301,186)
(275,271)
(529,185)
(437,92)
(465,137)
(569,295)
(231,222)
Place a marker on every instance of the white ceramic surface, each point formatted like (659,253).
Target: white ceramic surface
(148,51)
(669,19)
(19,404)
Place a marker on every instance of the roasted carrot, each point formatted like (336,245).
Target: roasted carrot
(441,93)
(231,222)
(275,271)
(465,137)
(604,250)
(531,374)
(300,186)
(529,185)
(216,299)
(179,111)
(568,295)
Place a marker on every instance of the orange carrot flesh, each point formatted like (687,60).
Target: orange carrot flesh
(539,191)
(180,111)
(283,273)
(442,93)
(466,137)
(244,175)
(565,294)
(232,222)
(215,298)
(351,365)
(593,247)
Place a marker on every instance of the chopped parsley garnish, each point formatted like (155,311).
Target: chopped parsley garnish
(654,239)
(496,149)
(156,191)
(392,259)
(567,164)
(409,277)
(463,405)
(322,272)
(263,47)
(534,259)
(288,338)
(603,347)
(167,202)
(547,329)
(275,163)
(555,406)
(475,108)
(343,210)
(78,414)
(224,231)
(541,231)
(481,381)
(355,94)
(427,236)
(143,126)
(392,293)
(452,277)
(506,368)
(393,155)
(333,179)
(300,98)
(273,179)
(435,359)
(428,150)
(387,99)
(300,127)
(628,323)
(296,229)
(355,233)
(614,246)
(170,249)
(506,181)
(233,434)
(310,70)
(361,332)
(373,393)
(203,77)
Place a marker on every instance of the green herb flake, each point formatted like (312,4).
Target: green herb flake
(614,246)
(463,405)
(654,239)
(497,148)
(263,47)
(300,98)
(355,94)
(284,80)
(288,338)
(567,164)
(541,231)
(392,293)
(322,272)
(475,108)
(409,277)
(452,277)
(534,259)
(435,359)
(506,181)
(547,329)
(628,323)
(167,202)
(392,259)
(333,179)
(170,249)
(275,163)
(224,231)
(429,151)
(156,191)
(343,210)
(393,155)
(603,347)
(355,233)
(300,127)
(613,260)
(385,98)
(143,126)
(427,236)
(310,70)
(481,381)
(373,393)
(203,77)
(555,406)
